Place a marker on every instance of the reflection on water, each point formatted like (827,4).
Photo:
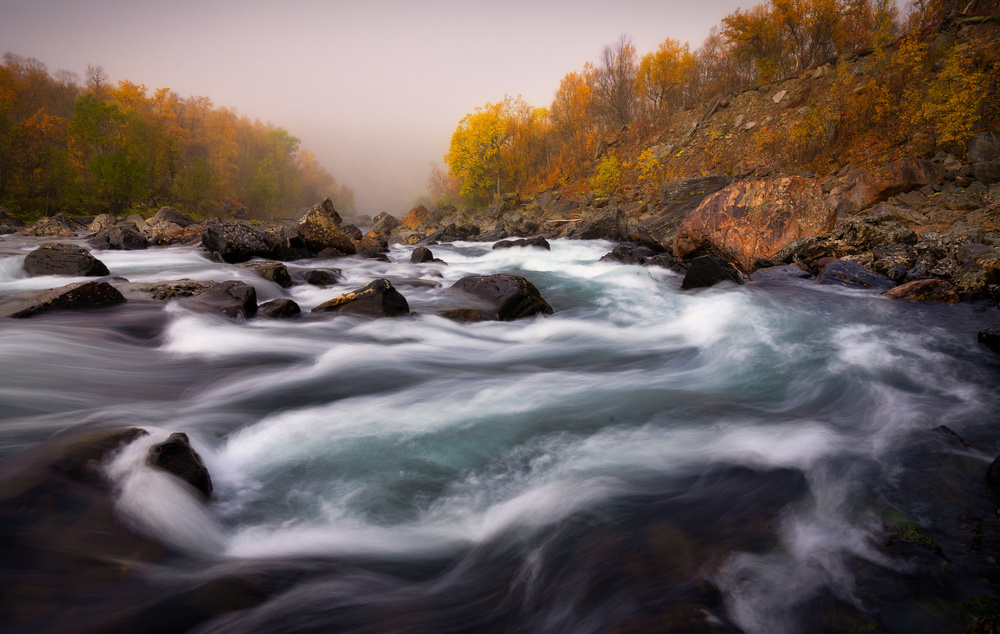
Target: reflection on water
(643,459)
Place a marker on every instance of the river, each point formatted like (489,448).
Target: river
(644,459)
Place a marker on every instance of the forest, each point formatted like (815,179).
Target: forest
(923,95)
(94,147)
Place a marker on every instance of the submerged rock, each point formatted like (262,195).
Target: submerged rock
(278,309)
(537,242)
(176,456)
(55,258)
(709,270)
(991,338)
(504,296)
(463,315)
(77,296)
(378,298)
(852,274)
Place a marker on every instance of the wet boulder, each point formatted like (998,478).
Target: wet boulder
(853,275)
(503,296)
(77,296)
(925,291)
(378,298)
(270,270)
(55,258)
(629,253)
(235,242)
(231,298)
(537,242)
(320,229)
(709,270)
(126,237)
(421,255)
(176,456)
(990,338)
(322,277)
(752,220)
(278,309)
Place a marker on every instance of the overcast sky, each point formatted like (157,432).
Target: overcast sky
(374,88)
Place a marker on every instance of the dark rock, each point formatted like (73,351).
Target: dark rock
(629,254)
(504,296)
(175,289)
(709,270)
(236,242)
(79,295)
(126,237)
(925,291)
(270,270)
(278,309)
(320,229)
(176,456)
(852,274)
(231,298)
(383,227)
(991,338)
(10,221)
(666,261)
(322,277)
(462,315)
(610,224)
(421,255)
(537,242)
(352,232)
(54,258)
(375,299)
(983,147)
(993,475)
(945,433)
(167,214)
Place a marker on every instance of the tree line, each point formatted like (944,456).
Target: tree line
(511,147)
(93,147)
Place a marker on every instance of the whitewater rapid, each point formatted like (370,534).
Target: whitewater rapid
(768,425)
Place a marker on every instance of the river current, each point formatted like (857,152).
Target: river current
(644,459)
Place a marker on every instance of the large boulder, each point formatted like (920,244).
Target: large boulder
(754,219)
(126,237)
(168,214)
(236,242)
(709,270)
(383,226)
(983,147)
(611,223)
(102,222)
(320,229)
(912,173)
(418,218)
(55,258)
(176,456)
(678,199)
(231,298)
(503,296)
(270,270)
(76,296)
(375,299)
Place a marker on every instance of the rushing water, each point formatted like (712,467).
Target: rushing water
(644,459)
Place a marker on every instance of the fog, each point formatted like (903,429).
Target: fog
(374,88)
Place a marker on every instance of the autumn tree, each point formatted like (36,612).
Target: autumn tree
(614,83)
(664,76)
